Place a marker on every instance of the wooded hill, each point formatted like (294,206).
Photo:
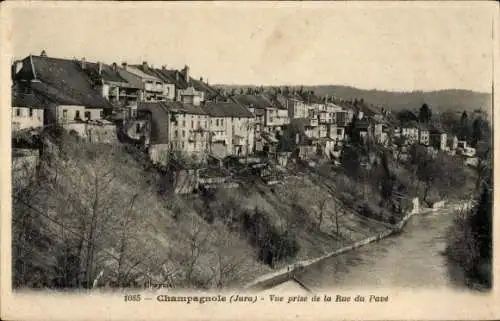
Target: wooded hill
(441,100)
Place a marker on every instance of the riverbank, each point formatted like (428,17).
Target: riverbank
(282,275)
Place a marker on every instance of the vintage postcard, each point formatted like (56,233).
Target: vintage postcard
(248,160)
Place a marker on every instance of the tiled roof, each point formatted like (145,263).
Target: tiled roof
(275,101)
(362,123)
(160,116)
(210,92)
(62,80)
(436,130)
(255,101)
(169,76)
(136,70)
(108,73)
(174,107)
(226,109)
(33,100)
(368,110)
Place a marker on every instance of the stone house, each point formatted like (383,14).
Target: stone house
(152,88)
(231,129)
(27,111)
(67,94)
(122,94)
(438,139)
(176,128)
(423,135)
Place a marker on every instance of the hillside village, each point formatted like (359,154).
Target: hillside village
(276,150)
(173,115)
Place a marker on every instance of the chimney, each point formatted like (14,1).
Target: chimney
(201,79)
(16,67)
(124,65)
(164,67)
(83,63)
(144,65)
(114,66)
(185,72)
(99,67)
(43,53)
(177,75)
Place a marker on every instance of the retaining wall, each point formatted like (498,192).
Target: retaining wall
(285,274)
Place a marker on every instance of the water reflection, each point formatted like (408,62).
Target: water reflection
(415,258)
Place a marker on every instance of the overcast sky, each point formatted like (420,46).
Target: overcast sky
(392,46)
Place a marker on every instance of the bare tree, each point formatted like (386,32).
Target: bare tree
(322,207)
(125,234)
(227,258)
(196,247)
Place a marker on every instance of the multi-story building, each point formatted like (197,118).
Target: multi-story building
(423,135)
(410,132)
(185,88)
(438,139)
(231,129)
(27,111)
(271,116)
(323,130)
(122,94)
(176,128)
(337,133)
(152,87)
(452,142)
(295,106)
(68,95)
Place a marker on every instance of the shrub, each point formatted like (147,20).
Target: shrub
(272,245)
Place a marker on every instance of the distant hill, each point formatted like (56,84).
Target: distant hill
(439,101)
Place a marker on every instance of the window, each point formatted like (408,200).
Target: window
(182,144)
(77,114)
(137,128)
(183,123)
(199,123)
(205,124)
(31,112)
(216,122)
(87,115)
(176,134)
(192,124)
(18,112)
(183,134)
(65,114)
(222,122)
(101,114)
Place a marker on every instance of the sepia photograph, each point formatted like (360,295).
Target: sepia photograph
(262,148)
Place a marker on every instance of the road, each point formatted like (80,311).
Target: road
(411,259)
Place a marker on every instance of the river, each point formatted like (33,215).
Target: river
(411,259)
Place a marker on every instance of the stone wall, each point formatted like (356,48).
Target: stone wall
(286,273)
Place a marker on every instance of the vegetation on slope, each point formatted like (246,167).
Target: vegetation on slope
(96,215)
(470,238)
(93,215)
